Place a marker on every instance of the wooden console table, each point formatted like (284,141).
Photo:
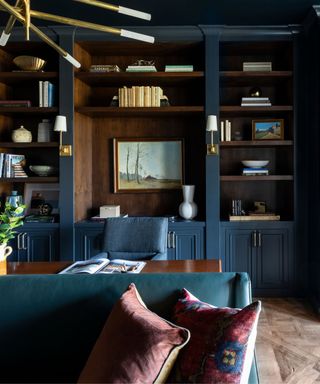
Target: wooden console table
(161,266)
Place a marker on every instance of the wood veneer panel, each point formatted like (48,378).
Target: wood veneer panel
(83,57)
(104,130)
(83,148)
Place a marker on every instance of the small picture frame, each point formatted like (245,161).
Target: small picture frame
(268,129)
(36,194)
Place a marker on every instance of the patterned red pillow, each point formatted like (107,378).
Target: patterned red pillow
(222,341)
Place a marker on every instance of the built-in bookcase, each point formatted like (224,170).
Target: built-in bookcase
(277,188)
(97,123)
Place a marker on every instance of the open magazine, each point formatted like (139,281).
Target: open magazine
(104,265)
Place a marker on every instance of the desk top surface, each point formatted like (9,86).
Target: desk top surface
(159,266)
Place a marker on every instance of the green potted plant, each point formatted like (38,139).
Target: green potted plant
(10,218)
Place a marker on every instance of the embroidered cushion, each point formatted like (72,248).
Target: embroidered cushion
(222,341)
(135,345)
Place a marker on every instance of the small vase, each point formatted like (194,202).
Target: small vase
(188,208)
(15,200)
(21,135)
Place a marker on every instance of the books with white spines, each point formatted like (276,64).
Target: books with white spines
(256,105)
(228,130)
(179,68)
(141,68)
(255,171)
(40,93)
(1,163)
(222,131)
(253,99)
(10,163)
(104,265)
(257,66)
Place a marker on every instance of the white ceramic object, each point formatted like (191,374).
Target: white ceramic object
(5,251)
(188,208)
(255,163)
(21,135)
(43,170)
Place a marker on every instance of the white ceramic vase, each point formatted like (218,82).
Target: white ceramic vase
(188,208)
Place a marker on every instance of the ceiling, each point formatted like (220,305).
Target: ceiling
(185,12)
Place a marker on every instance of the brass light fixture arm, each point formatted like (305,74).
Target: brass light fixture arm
(37,31)
(8,28)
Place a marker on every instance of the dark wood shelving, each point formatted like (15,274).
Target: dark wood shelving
(247,78)
(237,109)
(134,78)
(17,77)
(257,178)
(29,145)
(37,179)
(140,111)
(256,143)
(28,110)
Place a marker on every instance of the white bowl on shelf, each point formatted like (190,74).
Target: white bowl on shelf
(255,163)
(43,170)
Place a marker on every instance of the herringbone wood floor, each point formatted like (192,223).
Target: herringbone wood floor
(288,342)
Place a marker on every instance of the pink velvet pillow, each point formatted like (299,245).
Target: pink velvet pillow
(221,346)
(135,345)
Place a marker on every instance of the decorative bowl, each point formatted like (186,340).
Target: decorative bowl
(255,163)
(29,63)
(43,170)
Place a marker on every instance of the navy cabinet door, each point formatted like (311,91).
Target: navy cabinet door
(185,244)
(272,264)
(265,253)
(35,245)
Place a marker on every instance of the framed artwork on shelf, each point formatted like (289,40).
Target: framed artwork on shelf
(148,164)
(268,129)
(38,194)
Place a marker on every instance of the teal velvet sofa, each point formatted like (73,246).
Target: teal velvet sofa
(49,323)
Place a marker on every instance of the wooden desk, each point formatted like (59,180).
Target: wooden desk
(161,266)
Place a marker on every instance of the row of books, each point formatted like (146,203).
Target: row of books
(255,102)
(256,66)
(225,130)
(143,96)
(11,165)
(141,68)
(47,92)
(255,171)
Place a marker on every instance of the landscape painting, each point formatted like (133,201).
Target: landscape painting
(147,165)
(267,129)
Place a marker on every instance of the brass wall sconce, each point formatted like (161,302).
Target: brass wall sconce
(23,13)
(60,125)
(212,148)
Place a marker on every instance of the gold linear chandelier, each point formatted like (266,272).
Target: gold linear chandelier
(22,12)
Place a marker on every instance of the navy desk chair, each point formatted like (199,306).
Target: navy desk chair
(135,238)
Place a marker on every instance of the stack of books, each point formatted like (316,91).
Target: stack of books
(225,130)
(262,171)
(140,96)
(15,103)
(236,207)
(255,102)
(141,68)
(256,217)
(257,66)
(104,68)
(178,68)
(47,93)
(11,165)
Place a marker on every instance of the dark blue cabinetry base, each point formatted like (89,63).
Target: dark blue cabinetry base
(36,242)
(265,251)
(185,240)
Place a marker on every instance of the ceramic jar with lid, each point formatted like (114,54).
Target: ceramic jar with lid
(21,135)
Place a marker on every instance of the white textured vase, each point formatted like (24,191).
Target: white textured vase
(188,208)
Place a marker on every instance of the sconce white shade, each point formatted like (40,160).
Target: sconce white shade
(60,124)
(212,123)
